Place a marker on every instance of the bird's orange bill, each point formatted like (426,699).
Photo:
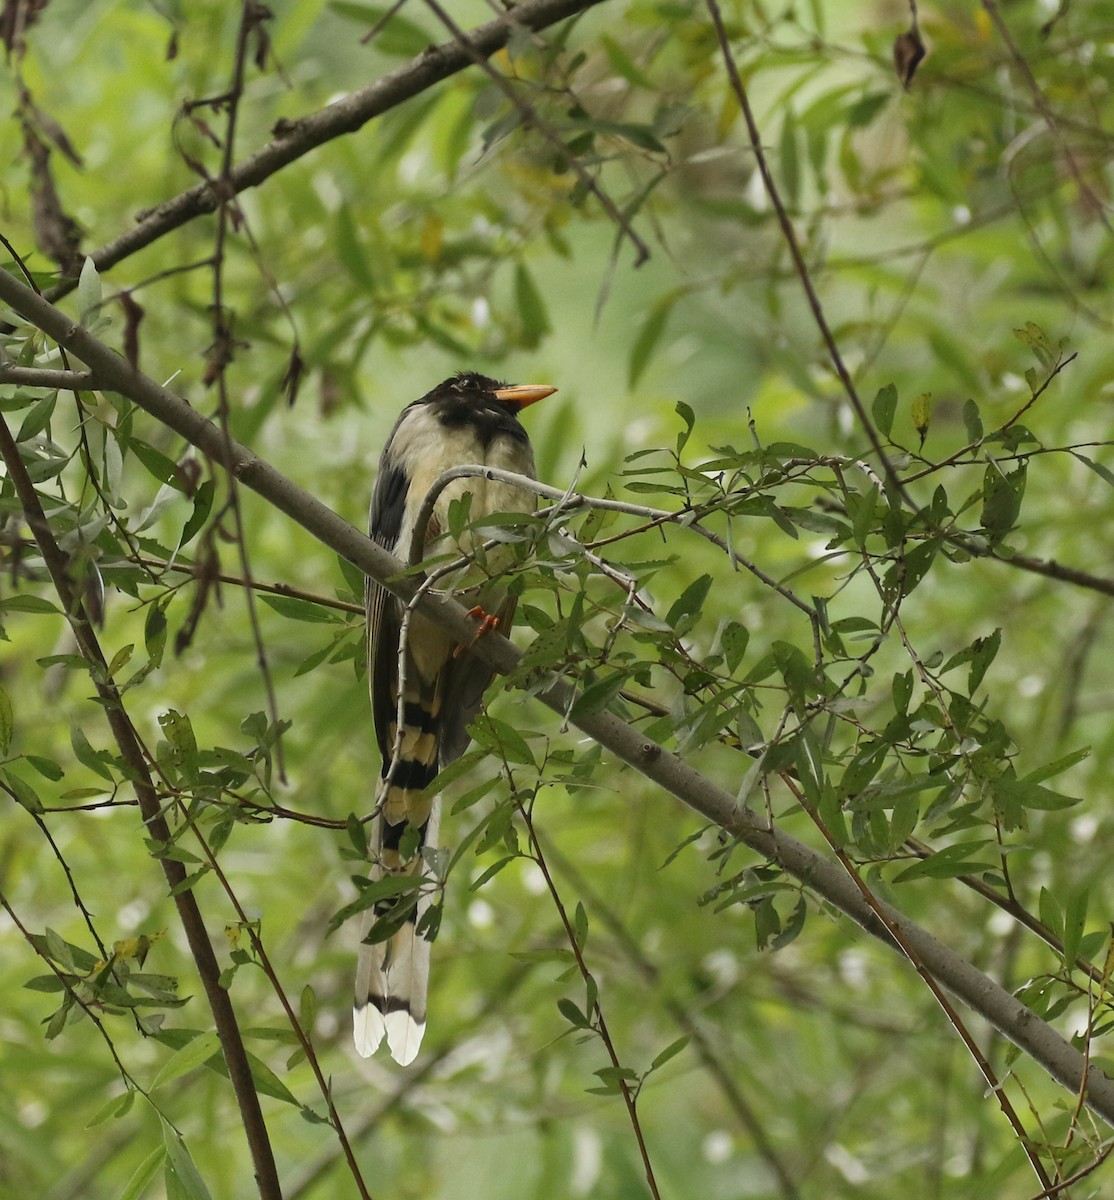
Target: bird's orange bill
(522,394)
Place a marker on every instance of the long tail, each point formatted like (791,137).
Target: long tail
(392,976)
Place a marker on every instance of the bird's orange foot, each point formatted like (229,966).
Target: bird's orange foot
(487,621)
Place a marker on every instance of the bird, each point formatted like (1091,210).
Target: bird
(468,419)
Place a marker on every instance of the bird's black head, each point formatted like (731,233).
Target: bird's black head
(490,407)
(472,382)
(470,387)
(469,396)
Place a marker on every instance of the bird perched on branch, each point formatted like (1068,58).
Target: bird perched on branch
(468,419)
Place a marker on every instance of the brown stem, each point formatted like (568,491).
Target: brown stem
(715,803)
(155,826)
(600,1020)
(294,139)
(790,236)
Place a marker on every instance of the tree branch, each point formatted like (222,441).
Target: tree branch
(155,826)
(293,139)
(824,876)
(41,377)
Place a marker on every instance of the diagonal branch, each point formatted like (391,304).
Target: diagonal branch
(131,750)
(294,139)
(823,875)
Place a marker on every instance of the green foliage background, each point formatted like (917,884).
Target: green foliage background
(956,238)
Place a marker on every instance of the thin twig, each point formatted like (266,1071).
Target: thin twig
(155,826)
(296,138)
(534,118)
(1032,1035)
(707,1049)
(221,355)
(1045,109)
(980,1059)
(600,1025)
(790,236)
(42,377)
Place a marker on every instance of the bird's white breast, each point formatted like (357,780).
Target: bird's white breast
(425,448)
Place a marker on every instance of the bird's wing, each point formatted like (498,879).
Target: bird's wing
(392,973)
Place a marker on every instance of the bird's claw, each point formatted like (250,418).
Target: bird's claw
(488,622)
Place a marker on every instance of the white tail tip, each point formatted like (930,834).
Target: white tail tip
(403,1033)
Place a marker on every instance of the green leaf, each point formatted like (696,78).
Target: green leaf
(598,695)
(1002,494)
(580,925)
(671,1051)
(911,568)
(572,1014)
(866,108)
(202,506)
(1049,770)
(353,576)
(88,292)
(1050,913)
(646,341)
(120,660)
(178,731)
(28,604)
(7,723)
(790,159)
(1075,917)
(473,795)
(491,872)
(143,1174)
(1104,473)
(267,1083)
(972,422)
(307,1009)
(1033,795)
(622,64)
(296,609)
(38,418)
(24,793)
(357,834)
(164,469)
(191,1056)
(690,601)
(613,1077)
(531,307)
(1040,343)
(86,755)
(386,888)
(985,651)
(947,863)
(154,631)
(46,767)
(503,739)
(350,251)
(884,408)
(734,639)
(180,1174)
(689,417)
(117,1107)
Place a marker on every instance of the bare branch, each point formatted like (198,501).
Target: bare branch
(131,750)
(40,377)
(294,139)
